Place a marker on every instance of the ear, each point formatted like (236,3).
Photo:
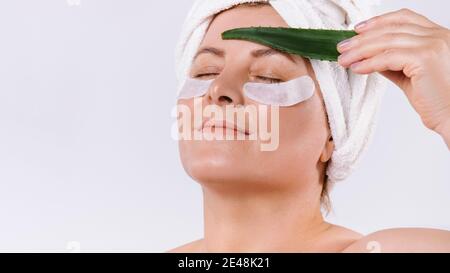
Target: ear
(327,150)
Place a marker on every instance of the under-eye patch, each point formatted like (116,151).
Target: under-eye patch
(194,88)
(280,94)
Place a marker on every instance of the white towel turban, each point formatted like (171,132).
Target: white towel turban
(351,100)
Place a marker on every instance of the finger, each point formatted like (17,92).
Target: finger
(377,45)
(359,39)
(395,64)
(395,18)
(392,59)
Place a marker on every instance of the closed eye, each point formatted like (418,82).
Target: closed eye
(268,80)
(205,75)
(260,78)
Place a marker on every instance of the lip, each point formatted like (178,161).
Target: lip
(223,124)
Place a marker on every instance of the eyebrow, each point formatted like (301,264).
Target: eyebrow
(258,53)
(269,52)
(210,50)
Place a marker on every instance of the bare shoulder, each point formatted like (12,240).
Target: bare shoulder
(345,232)
(336,239)
(403,240)
(193,246)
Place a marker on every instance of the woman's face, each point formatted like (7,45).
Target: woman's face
(304,143)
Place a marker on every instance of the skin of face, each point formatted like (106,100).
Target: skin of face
(305,145)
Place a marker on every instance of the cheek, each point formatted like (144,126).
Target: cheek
(304,130)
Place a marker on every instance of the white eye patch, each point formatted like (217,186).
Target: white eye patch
(280,94)
(194,88)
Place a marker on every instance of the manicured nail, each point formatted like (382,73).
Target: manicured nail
(361,25)
(344,44)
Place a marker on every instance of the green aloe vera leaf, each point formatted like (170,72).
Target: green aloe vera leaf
(310,43)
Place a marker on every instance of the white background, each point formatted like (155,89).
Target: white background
(85,149)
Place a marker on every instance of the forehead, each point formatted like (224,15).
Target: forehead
(245,16)
(242,16)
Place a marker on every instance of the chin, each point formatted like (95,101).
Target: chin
(215,161)
(226,171)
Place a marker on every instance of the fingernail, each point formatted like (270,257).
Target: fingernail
(344,44)
(361,25)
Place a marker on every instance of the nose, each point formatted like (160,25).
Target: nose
(225,91)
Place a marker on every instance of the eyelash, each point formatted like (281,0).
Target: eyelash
(205,75)
(265,79)
(269,80)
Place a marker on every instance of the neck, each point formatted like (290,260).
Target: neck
(265,221)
